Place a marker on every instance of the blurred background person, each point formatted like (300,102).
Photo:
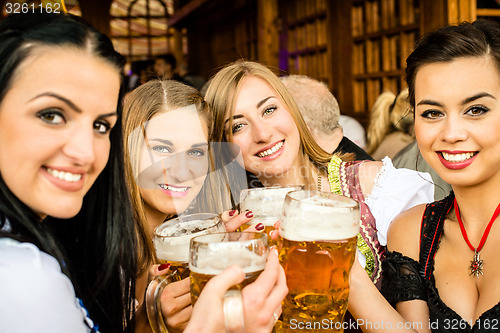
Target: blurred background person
(391,125)
(321,112)
(353,130)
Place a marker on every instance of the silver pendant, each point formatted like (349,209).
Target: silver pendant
(476,265)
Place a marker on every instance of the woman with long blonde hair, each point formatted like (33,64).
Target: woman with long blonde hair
(253,109)
(391,125)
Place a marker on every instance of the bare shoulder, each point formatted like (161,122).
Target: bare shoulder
(368,172)
(404,232)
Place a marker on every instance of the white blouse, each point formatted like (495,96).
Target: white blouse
(35,296)
(395,191)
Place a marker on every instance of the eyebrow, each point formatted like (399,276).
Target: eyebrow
(170,143)
(62,99)
(465,101)
(71,104)
(259,104)
(478,96)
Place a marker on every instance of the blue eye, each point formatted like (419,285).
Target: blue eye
(161,149)
(196,152)
(53,117)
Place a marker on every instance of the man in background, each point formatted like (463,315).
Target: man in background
(321,113)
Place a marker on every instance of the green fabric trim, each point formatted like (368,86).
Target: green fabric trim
(336,187)
(334,174)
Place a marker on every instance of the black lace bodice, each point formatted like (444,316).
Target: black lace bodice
(405,279)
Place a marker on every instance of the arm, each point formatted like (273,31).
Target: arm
(369,306)
(404,237)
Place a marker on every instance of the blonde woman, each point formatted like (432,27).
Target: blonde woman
(391,125)
(168,165)
(252,108)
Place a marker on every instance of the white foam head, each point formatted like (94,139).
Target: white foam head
(265,202)
(312,216)
(172,238)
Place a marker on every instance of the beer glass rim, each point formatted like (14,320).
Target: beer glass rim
(274,187)
(187,218)
(256,236)
(350,203)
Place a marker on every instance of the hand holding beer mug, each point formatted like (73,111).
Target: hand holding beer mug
(266,204)
(212,254)
(171,240)
(317,250)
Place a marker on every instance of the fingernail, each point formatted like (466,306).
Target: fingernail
(163,267)
(231,213)
(249,214)
(259,227)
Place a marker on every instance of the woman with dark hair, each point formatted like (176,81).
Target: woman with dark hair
(441,271)
(65,217)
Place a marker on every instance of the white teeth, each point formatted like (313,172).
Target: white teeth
(456,157)
(271,150)
(66,176)
(173,189)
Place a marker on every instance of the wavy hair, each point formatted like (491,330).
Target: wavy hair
(390,113)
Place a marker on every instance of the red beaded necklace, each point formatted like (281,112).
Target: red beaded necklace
(476,265)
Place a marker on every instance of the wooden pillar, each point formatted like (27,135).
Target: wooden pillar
(461,10)
(268,34)
(97,13)
(340,54)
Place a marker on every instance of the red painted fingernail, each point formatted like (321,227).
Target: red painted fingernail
(259,227)
(163,267)
(249,214)
(231,213)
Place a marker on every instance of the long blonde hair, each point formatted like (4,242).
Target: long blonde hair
(221,95)
(145,102)
(390,113)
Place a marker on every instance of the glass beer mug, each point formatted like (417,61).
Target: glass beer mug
(211,254)
(317,248)
(266,204)
(171,241)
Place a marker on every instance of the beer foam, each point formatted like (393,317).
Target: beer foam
(216,259)
(174,243)
(320,217)
(268,221)
(266,201)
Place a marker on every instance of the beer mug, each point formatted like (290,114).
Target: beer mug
(266,204)
(317,248)
(171,241)
(211,254)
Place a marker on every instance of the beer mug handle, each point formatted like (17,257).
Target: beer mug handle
(234,319)
(153,302)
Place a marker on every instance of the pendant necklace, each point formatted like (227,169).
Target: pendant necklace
(476,265)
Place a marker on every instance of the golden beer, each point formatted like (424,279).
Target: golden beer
(317,248)
(268,223)
(212,254)
(199,280)
(318,279)
(181,269)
